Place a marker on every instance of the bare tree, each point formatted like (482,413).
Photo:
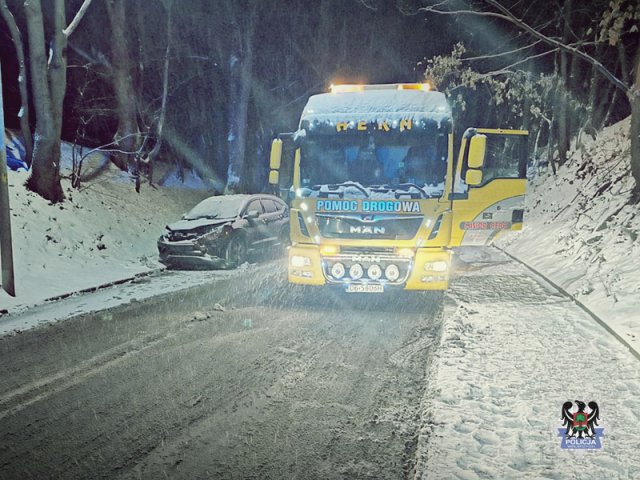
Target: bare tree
(149,158)
(23,114)
(48,85)
(613,25)
(121,72)
(240,77)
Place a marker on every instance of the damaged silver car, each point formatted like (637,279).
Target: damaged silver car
(225,231)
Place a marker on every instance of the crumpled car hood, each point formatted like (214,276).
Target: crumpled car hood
(186,225)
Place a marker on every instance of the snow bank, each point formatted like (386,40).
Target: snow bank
(582,233)
(103,232)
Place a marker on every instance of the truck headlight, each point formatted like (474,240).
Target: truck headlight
(436,266)
(299,261)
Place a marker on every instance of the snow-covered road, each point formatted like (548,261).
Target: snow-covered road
(513,351)
(239,375)
(160,283)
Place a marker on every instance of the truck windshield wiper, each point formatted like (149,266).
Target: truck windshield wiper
(406,187)
(334,187)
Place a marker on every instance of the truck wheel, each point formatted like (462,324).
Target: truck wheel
(236,251)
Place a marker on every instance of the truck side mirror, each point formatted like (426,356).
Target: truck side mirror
(477,151)
(473,177)
(275,161)
(276,154)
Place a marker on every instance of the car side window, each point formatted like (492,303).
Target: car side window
(269,205)
(255,205)
(282,208)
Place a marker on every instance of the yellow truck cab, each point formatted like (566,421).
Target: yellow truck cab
(377,200)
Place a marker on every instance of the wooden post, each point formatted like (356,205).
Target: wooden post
(6,249)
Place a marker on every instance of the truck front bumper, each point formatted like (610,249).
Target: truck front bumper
(422,269)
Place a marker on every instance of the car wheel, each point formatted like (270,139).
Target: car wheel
(236,251)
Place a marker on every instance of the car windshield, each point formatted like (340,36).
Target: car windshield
(388,163)
(216,207)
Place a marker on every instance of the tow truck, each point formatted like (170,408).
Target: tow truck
(377,199)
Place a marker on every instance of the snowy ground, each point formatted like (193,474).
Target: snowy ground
(101,233)
(582,233)
(512,352)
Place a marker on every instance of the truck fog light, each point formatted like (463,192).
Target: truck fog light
(405,252)
(299,261)
(392,272)
(328,250)
(436,266)
(374,272)
(337,270)
(356,271)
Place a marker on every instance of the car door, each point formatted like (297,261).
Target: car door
(489,185)
(256,228)
(272,219)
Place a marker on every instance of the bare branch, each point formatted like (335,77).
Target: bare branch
(76,20)
(507,69)
(103,148)
(94,59)
(367,4)
(433,9)
(499,54)
(506,15)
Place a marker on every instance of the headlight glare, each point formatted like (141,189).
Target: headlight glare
(439,266)
(299,261)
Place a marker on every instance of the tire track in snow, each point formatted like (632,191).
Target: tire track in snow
(16,400)
(586,309)
(513,350)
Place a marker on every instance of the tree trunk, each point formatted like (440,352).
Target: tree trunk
(563,106)
(122,81)
(241,74)
(23,115)
(150,159)
(634,99)
(48,84)
(45,171)
(592,103)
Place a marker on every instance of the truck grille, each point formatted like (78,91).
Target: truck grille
(369,227)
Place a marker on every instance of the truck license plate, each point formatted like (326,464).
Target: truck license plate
(365,288)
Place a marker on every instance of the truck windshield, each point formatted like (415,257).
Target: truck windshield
(375,164)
